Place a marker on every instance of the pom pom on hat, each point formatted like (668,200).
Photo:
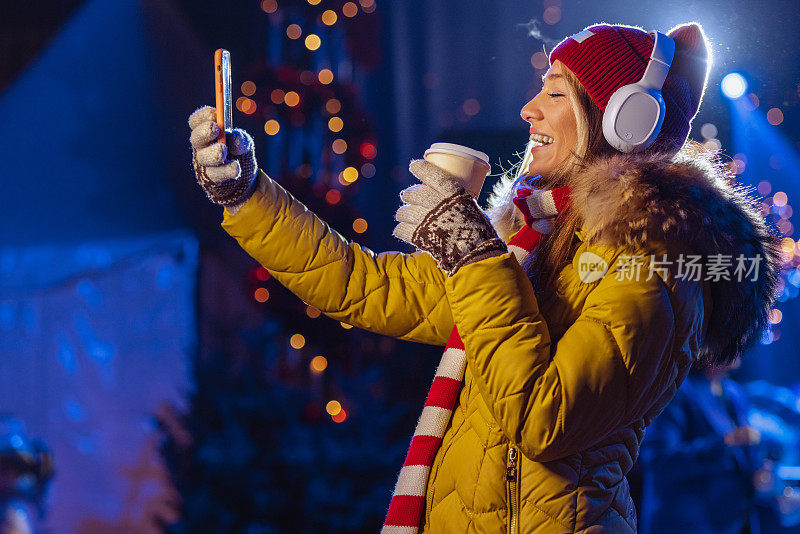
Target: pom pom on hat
(605,57)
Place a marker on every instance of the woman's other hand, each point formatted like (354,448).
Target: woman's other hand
(227,182)
(443,219)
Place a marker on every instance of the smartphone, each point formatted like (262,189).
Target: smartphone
(222,86)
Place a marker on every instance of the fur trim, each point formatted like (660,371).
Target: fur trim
(626,199)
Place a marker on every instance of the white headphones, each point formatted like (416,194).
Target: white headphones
(635,113)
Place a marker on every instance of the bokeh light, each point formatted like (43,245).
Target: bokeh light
(360,225)
(552,15)
(277,96)
(262,274)
(335,124)
(708,130)
(329,17)
(471,107)
(368,170)
(780,198)
(764,188)
(775,116)
(291,99)
(307,77)
(325,76)
(350,174)
(313,41)
(333,407)
(340,417)
(368,150)
(333,196)
(318,364)
(333,106)
(313,312)
(261,294)
(269,6)
(314,2)
(733,85)
(350,9)
(297,341)
(294,31)
(248,88)
(539,60)
(272,127)
(339,146)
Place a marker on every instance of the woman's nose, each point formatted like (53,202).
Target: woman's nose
(531,111)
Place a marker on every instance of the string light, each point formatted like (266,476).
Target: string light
(325,76)
(272,127)
(297,341)
(313,41)
(329,17)
(335,124)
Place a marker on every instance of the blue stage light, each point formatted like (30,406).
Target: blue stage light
(734,85)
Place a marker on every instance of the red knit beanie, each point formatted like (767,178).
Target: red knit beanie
(612,56)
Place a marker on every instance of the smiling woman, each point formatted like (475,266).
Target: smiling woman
(548,379)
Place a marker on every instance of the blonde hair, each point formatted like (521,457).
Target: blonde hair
(543,267)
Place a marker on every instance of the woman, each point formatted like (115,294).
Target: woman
(566,358)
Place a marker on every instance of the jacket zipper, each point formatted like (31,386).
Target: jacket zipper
(512,480)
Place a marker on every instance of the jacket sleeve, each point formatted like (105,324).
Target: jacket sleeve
(391,293)
(555,401)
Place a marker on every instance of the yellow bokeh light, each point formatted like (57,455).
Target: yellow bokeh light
(350,174)
(780,198)
(291,99)
(333,407)
(329,17)
(345,325)
(360,226)
(350,9)
(297,341)
(314,2)
(313,41)
(788,245)
(335,124)
(318,364)
(272,127)
(313,312)
(325,76)
(294,31)
(339,146)
(248,88)
(261,295)
(333,106)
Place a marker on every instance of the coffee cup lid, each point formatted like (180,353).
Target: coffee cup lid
(459,150)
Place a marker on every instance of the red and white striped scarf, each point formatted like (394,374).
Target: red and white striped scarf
(540,208)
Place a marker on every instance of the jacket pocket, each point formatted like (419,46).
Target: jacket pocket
(512,490)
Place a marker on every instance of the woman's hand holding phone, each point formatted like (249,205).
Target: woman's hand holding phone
(225,171)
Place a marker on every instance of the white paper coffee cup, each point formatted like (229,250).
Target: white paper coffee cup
(468,165)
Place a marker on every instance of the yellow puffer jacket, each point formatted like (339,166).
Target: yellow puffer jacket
(556,394)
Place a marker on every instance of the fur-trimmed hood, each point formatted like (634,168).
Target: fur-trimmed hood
(627,199)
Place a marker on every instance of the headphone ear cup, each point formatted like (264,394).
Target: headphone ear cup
(633,118)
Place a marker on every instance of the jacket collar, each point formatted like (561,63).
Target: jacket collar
(625,200)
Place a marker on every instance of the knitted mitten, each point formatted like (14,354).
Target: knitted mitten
(226,182)
(443,219)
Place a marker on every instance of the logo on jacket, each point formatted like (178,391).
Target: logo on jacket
(591,267)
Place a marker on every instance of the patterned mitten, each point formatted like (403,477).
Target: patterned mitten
(228,183)
(443,219)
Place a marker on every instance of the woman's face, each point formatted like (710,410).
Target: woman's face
(550,114)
